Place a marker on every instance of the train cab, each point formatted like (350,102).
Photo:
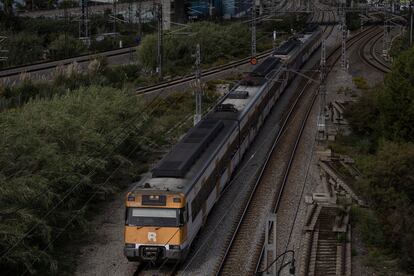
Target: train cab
(155,226)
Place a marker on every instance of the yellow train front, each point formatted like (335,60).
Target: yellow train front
(155,227)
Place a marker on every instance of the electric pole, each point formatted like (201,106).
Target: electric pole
(386,39)
(199,90)
(84,22)
(411,24)
(322,93)
(274,41)
(114,11)
(139,11)
(2,52)
(65,15)
(159,40)
(130,11)
(253,42)
(342,16)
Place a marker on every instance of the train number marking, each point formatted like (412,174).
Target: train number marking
(152,236)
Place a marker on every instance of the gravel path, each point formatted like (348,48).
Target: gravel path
(104,254)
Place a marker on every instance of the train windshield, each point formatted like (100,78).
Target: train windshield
(161,217)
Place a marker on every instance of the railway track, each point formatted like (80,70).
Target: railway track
(45,65)
(233,258)
(368,54)
(218,69)
(15,71)
(184,270)
(240,249)
(206,73)
(165,269)
(262,200)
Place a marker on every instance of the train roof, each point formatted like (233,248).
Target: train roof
(266,66)
(180,159)
(287,47)
(190,156)
(181,168)
(310,27)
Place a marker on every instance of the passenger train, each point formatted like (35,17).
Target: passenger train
(164,214)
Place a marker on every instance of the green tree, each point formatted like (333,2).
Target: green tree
(396,100)
(65,46)
(77,142)
(363,114)
(24,48)
(389,184)
(8,7)
(218,42)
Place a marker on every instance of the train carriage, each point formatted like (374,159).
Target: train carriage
(164,214)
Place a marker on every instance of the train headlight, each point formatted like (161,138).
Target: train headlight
(130,245)
(174,247)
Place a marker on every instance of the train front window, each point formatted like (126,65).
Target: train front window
(159,217)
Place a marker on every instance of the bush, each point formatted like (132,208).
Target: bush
(363,115)
(361,83)
(57,154)
(370,227)
(65,46)
(382,119)
(24,48)
(396,100)
(119,75)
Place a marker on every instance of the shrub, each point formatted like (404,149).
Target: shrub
(65,46)
(24,48)
(57,154)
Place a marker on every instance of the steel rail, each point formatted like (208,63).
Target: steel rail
(268,158)
(377,63)
(208,72)
(331,56)
(39,66)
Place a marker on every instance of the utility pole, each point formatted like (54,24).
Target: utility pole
(84,23)
(322,93)
(386,39)
(199,90)
(274,41)
(139,11)
(2,52)
(159,41)
(114,14)
(253,42)
(342,16)
(270,245)
(130,11)
(65,15)
(411,24)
